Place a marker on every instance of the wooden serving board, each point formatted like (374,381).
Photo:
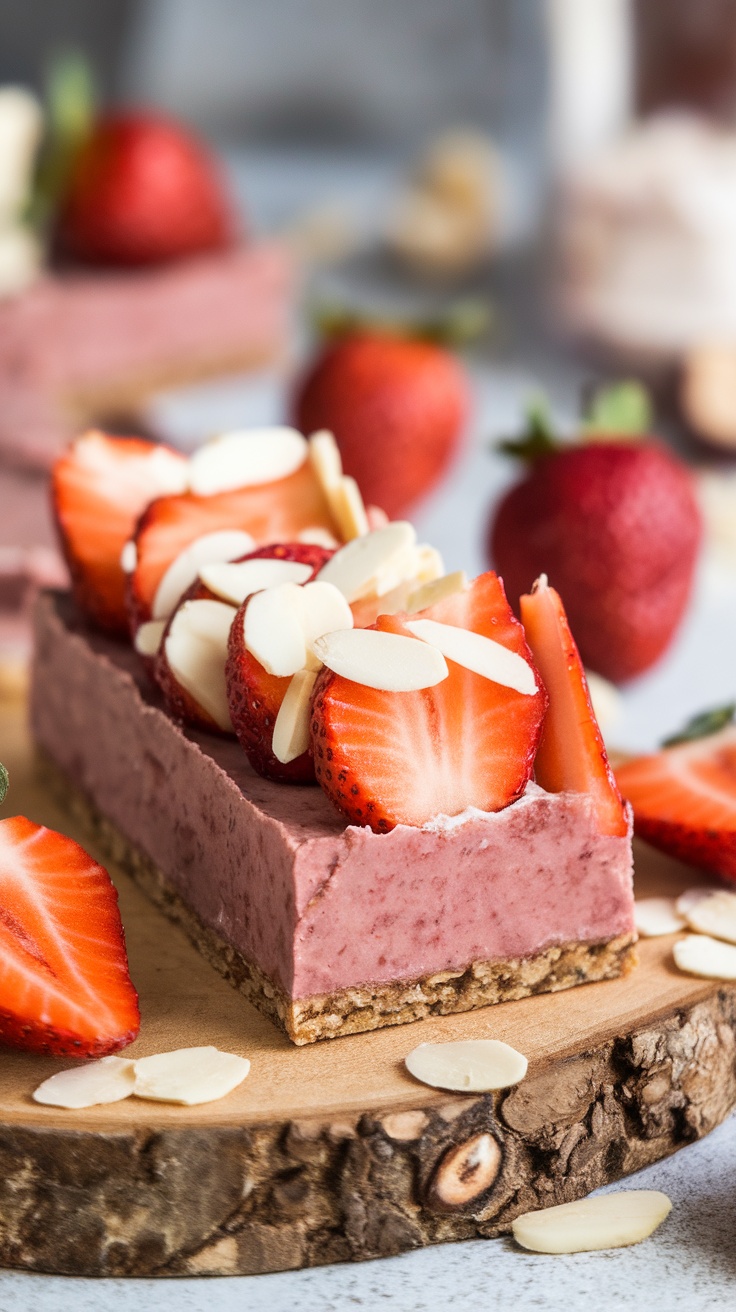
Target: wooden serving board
(333,1152)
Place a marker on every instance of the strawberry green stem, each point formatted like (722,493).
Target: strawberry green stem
(706,722)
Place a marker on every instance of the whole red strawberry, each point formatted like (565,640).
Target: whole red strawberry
(397,408)
(143,190)
(616,527)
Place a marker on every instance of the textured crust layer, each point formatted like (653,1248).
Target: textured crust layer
(351,1010)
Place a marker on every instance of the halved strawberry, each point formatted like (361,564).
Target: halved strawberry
(64,982)
(254,696)
(684,800)
(100,485)
(270,512)
(388,758)
(571,755)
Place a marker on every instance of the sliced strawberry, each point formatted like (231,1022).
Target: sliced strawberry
(388,758)
(271,512)
(100,486)
(684,800)
(64,982)
(571,756)
(254,696)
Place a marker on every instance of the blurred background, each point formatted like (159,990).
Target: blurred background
(552,181)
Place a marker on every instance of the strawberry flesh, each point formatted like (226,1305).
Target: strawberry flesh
(64,982)
(571,756)
(684,800)
(388,758)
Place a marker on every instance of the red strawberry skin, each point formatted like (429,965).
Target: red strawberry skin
(684,801)
(65,989)
(616,527)
(397,408)
(387,758)
(144,190)
(253,695)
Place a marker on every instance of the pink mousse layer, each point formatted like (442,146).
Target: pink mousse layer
(317,905)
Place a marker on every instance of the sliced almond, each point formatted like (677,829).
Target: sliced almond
(606,700)
(697,954)
(607,1221)
(318,537)
(226,544)
(196,652)
(324,455)
(108,1080)
(129,557)
(325,610)
(654,916)
(246,459)
(467,1065)
(715,915)
(428,594)
(347,507)
(387,661)
(477,653)
(690,898)
(148,637)
(235,582)
(189,1075)
(291,730)
(428,564)
(355,568)
(273,629)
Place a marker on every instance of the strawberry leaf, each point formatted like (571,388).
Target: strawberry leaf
(454,325)
(4,782)
(623,407)
(538,438)
(706,722)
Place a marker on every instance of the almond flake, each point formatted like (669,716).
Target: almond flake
(235,582)
(389,662)
(654,916)
(355,568)
(324,456)
(291,730)
(318,537)
(715,915)
(467,1065)
(246,459)
(196,652)
(129,557)
(108,1080)
(697,954)
(325,610)
(226,544)
(148,637)
(189,1075)
(477,653)
(690,898)
(273,629)
(428,564)
(606,1221)
(346,505)
(428,594)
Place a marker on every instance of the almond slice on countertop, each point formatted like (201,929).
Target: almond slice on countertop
(108,1080)
(356,566)
(291,730)
(326,461)
(389,662)
(690,898)
(189,1075)
(246,458)
(348,510)
(196,652)
(273,629)
(477,653)
(235,582)
(715,915)
(148,637)
(226,544)
(654,916)
(467,1065)
(428,594)
(607,1221)
(697,954)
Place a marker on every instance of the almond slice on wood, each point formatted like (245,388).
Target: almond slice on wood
(387,661)
(196,652)
(697,954)
(690,898)
(654,916)
(226,544)
(468,1065)
(108,1080)
(148,637)
(715,915)
(355,568)
(291,730)
(428,594)
(607,1221)
(246,459)
(326,461)
(273,629)
(477,653)
(346,505)
(235,582)
(189,1075)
